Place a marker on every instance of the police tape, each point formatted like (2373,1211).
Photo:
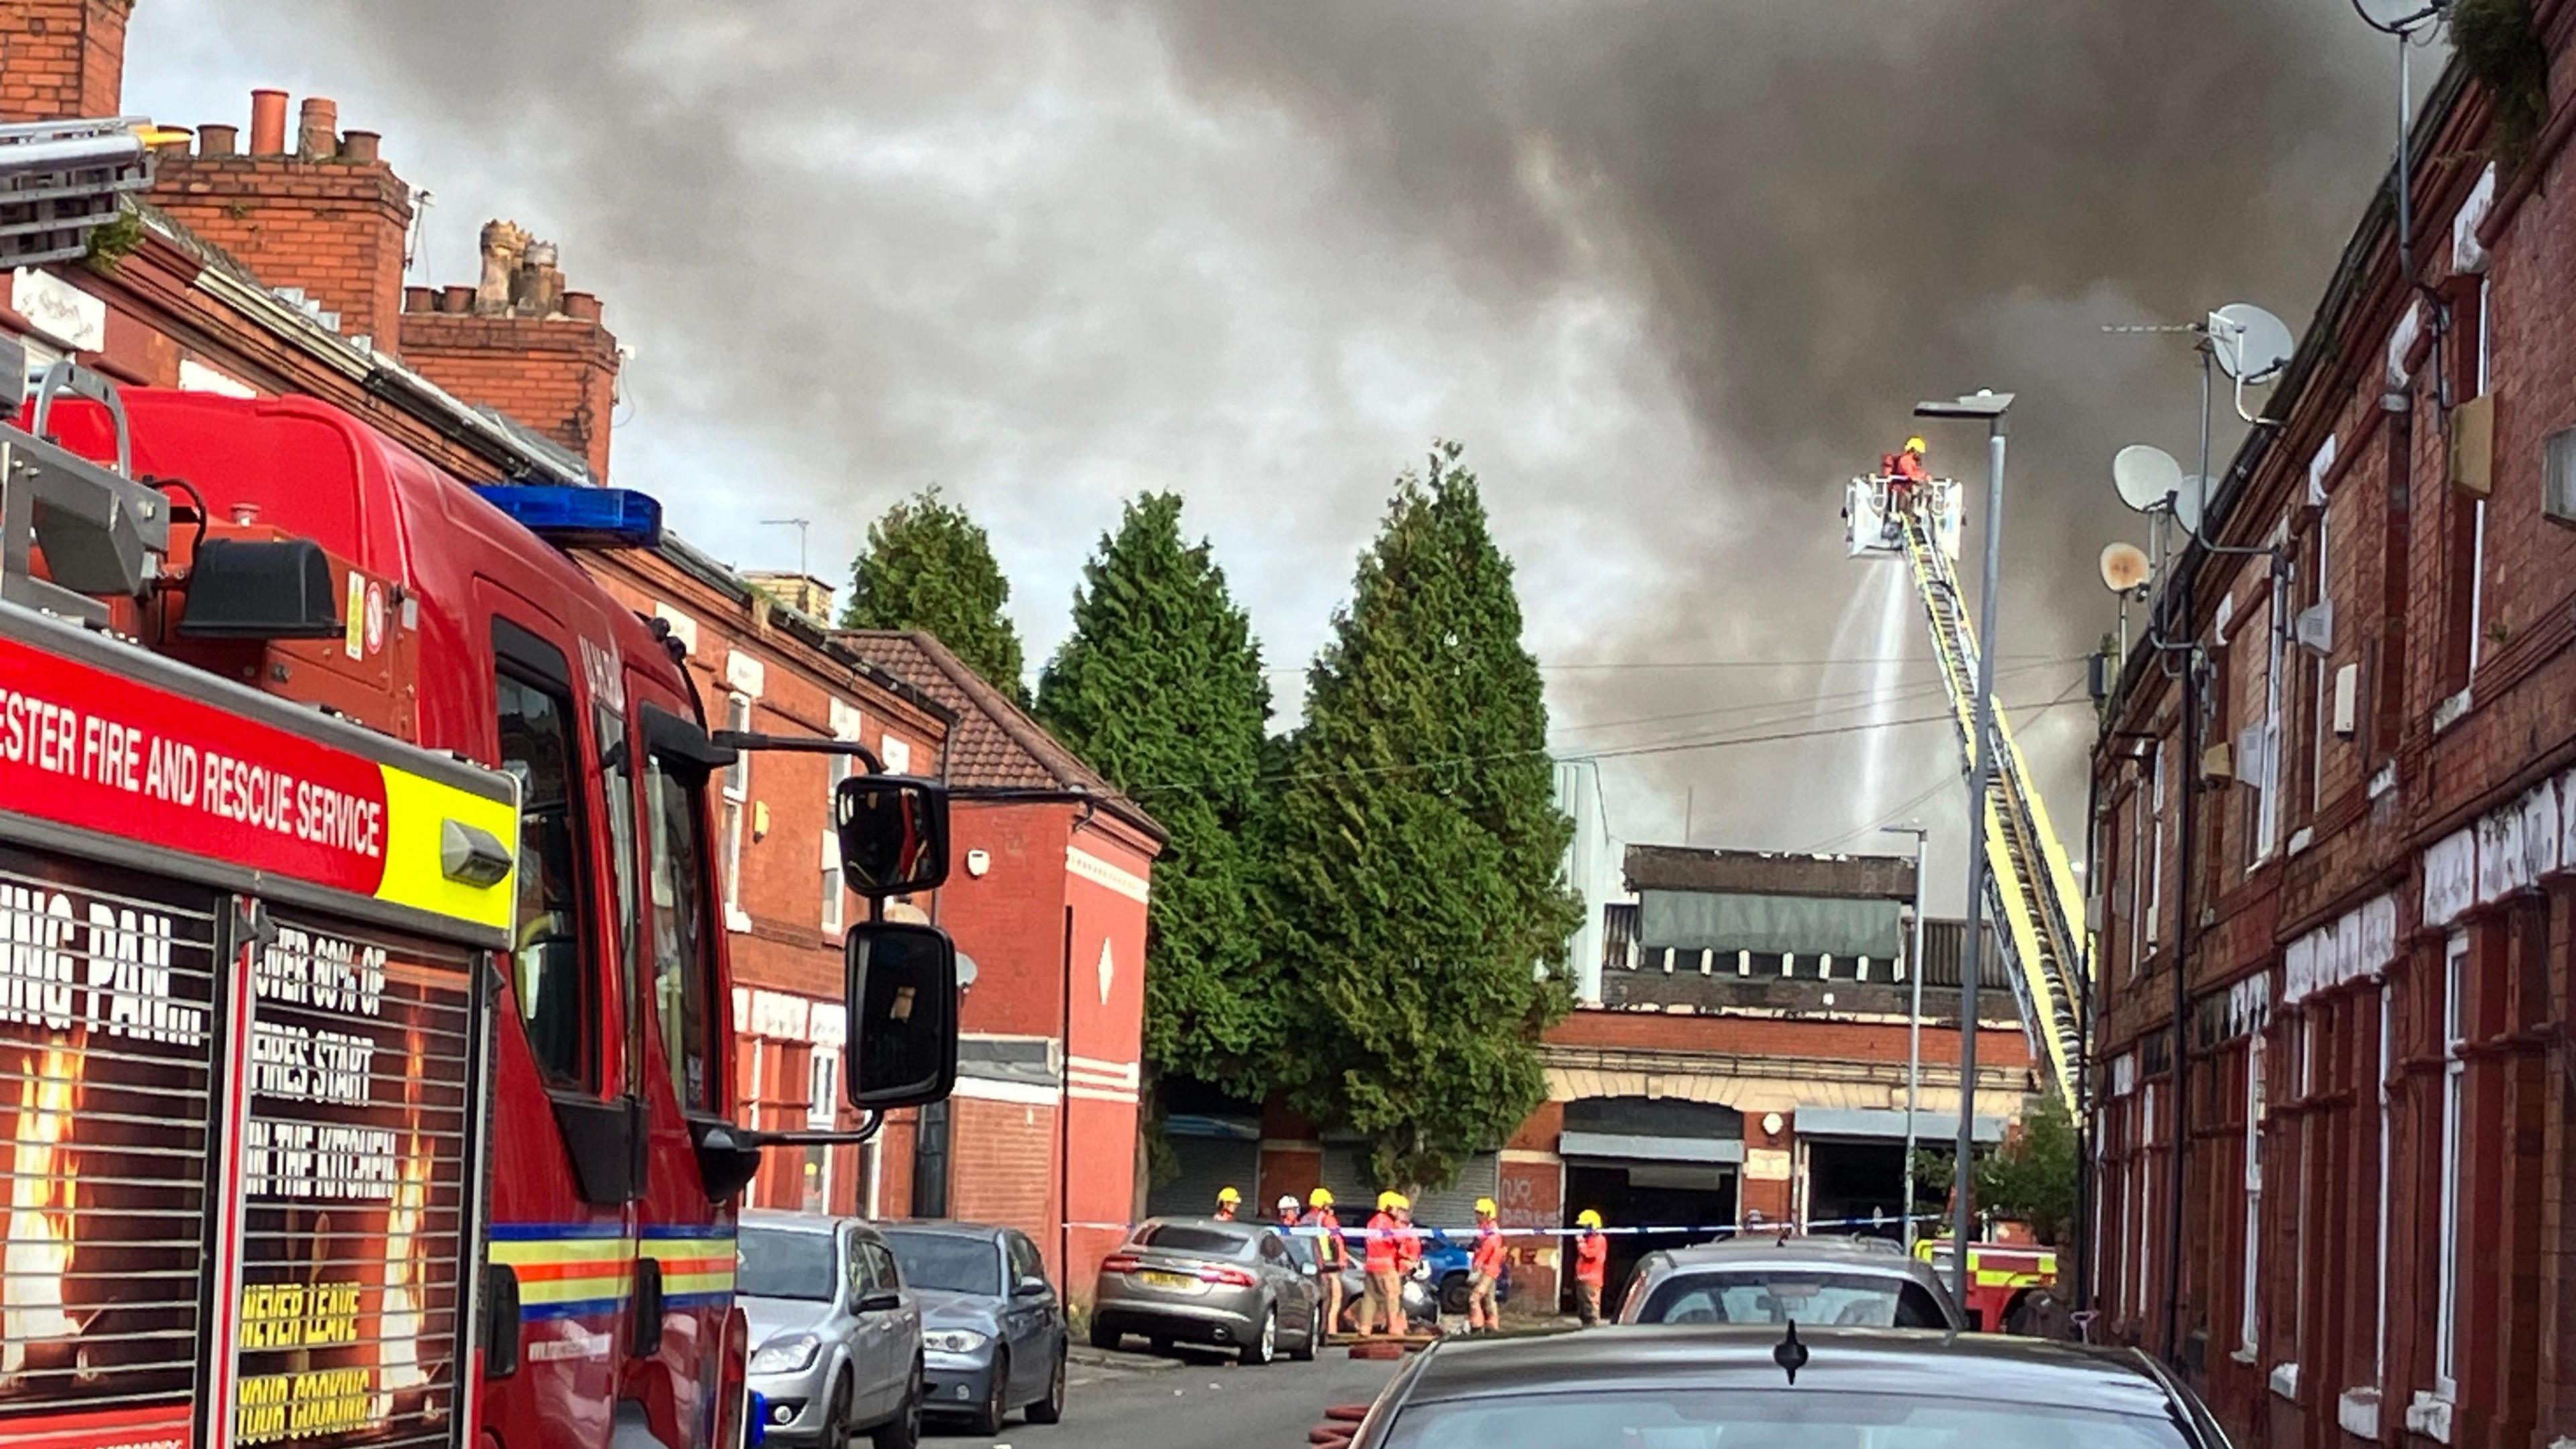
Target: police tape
(1838,1226)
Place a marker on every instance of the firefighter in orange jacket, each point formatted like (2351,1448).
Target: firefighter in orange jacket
(1906,476)
(1485,1270)
(1591,1266)
(1384,1260)
(1330,1253)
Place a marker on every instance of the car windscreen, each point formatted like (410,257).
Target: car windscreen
(778,1263)
(1825,1300)
(1778,1418)
(949,1261)
(1205,1242)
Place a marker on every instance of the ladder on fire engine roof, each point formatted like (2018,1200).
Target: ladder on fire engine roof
(2030,887)
(62,180)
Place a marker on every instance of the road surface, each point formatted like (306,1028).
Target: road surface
(1136,1401)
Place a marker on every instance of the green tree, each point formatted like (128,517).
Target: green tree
(2030,1178)
(1419,893)
(930,566)
(1160,689)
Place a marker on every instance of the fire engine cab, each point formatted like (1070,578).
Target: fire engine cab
(365,1052)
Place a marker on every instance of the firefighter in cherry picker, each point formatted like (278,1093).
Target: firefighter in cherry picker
(1906,476)
(1485,1270)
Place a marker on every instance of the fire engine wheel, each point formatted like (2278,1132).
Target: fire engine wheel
(1050,1410)
(988,1416)
(1265,1344)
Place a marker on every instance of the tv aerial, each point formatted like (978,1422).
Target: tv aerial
(2125,569)
(2400,17)
(2146,477)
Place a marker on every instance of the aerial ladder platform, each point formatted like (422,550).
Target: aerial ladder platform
(2031,891)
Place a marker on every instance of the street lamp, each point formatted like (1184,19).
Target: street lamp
(1913,1022)
(1989,405)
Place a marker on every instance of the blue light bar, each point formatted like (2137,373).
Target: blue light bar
(570,517)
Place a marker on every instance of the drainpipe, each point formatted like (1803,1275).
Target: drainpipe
(2185,942)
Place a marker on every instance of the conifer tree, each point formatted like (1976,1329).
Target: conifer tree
(1420,901)
(1160,689)
(928,565)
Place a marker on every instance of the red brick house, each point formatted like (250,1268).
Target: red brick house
(277,269)
(1053,867)
(2335,1186)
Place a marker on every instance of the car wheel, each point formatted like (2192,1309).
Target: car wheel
(988,1416)
(903,1431)
(1265,1344)
(1454,1294)
(1050,1410)
(1162,1346)
(1104,1337)
(836,1420)
(1313,1343)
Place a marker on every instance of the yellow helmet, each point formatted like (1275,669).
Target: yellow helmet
(1485,1207)
(1389,1200)
(1914,445)
(1229,1195)
(1320,1197)
(1587,1219)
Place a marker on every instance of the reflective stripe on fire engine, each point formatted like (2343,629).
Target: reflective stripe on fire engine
(566,1270)
(416,814)
(696,1271)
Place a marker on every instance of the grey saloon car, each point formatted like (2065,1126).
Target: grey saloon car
(992,1327)
(1835,1282)
(1771,1387)
(836,1342)
(1233,1285)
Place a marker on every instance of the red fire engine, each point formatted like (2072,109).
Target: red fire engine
(365,1052)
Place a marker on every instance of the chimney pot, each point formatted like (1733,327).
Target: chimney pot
(267,123)
(217,140)
(420,299)
(583,305)
(318,132)
(359,146)
(456,299)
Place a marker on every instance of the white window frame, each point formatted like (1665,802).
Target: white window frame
(2304,1030)
(2387,1124)
(2139,867)
(2478,511)
(2318,732)
(2146,1184)
(2267,774)
(737,804)
(2156,861)
(2249,1325)
(2446,1329)
(836,909)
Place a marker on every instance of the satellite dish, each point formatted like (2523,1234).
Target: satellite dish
(2124,567)
(2250,344)
(2188,500)
(2146,476)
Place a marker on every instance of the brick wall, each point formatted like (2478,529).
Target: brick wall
(2413,587)
(1002,1166)
(555,374)
(62,59)
(1786,1039)
(1011,918)
(333,225)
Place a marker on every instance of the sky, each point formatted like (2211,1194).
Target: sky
(1671,271)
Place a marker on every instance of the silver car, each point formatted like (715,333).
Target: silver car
(836,1341)
(1817,1282)
(1202,1280)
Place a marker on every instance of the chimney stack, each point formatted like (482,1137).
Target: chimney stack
(519,340)
(62,60)
(267,123)
(315,210)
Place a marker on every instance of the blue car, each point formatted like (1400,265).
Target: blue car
(1447,1255)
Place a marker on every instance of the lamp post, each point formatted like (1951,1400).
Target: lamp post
(1990,406)
(1913,1023)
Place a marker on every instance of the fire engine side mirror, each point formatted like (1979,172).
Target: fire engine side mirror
(894,833)
(902,1038)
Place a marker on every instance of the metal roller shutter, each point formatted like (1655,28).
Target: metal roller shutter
(1207,1164)
(1346,1172)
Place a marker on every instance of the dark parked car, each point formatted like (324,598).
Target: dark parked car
(992,1327)
(1765,1388)
(1200,1280)
(1820,1282)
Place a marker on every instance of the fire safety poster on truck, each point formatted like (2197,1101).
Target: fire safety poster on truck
(106,1054)
(353,1174)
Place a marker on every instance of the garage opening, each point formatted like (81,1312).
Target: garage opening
(1856,1187)
(1646,1163)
